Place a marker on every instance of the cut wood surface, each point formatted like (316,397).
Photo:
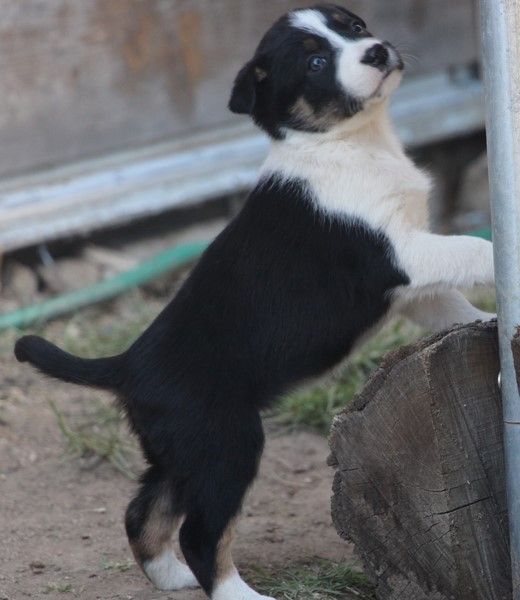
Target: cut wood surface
(419,485)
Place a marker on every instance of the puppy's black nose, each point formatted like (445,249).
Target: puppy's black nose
(377,56)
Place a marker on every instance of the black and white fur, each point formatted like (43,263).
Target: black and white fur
(331,242)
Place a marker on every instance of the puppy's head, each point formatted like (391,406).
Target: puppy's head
(314,69)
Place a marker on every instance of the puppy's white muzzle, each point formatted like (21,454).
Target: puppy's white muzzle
(365,65)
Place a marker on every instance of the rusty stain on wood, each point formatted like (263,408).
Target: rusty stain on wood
(138,45)
(419,14)
(191,36)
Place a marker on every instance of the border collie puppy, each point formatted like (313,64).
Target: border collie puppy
(332,241)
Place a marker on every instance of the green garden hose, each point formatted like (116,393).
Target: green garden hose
(482,233)
(161,263)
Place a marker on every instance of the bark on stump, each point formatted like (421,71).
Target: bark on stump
(419,484)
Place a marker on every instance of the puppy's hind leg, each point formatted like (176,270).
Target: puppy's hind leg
(151,520)
(217,492)
(208,552)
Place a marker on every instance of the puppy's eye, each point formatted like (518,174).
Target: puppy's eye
(317,63)
(358,27)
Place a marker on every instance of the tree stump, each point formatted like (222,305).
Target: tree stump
(419,484)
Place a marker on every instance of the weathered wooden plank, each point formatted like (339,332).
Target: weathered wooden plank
(85,78)
(419,483)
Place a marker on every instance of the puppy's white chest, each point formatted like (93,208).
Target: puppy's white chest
(407,192)
(384,189)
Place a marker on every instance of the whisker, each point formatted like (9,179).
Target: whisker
(410,59)
(401,45)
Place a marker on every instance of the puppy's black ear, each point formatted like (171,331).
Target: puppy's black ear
(243,96)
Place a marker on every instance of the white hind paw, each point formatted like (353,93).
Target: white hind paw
(235,588)
(167,573)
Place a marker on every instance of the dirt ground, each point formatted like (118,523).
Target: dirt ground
(61,524)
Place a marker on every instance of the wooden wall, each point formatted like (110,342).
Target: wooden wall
(83,78)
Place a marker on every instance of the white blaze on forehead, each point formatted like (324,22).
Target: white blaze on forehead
(357,79)
(314,21)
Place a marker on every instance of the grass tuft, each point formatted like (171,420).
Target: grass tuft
(60,588)
(101,436)
(121,566)
(319,580)
(316,407)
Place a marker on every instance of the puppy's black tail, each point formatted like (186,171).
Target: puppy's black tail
(51,360)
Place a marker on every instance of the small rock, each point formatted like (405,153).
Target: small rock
(20,284)
(302,469)
(37,567)
(69,274)
(274,539)
(113,261)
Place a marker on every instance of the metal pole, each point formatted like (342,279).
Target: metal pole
(500,20)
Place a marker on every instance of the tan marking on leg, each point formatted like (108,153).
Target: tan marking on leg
(154,549)
(228,584)
(160,526)
(157,532)
(224,564)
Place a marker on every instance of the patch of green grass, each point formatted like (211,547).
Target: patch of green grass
(122,566)
(101,435)
(316,407)
(319,580)
(60,588)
